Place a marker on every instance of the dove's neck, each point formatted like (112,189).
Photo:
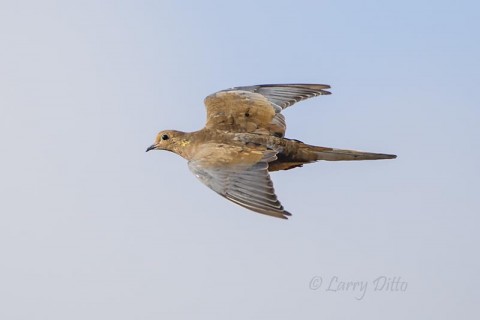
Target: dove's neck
(183,144)
(187,144)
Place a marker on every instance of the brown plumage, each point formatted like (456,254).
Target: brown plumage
(243,139)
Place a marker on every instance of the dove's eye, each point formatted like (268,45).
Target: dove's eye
(165,137)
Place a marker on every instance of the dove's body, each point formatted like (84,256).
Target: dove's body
(244,139)
(291,153)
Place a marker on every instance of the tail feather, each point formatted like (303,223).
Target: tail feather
(332,154)
(307,154)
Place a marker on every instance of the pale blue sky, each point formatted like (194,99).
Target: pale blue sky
(92,227)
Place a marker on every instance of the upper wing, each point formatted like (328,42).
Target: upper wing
(240,175)
(285,95)
(257,108)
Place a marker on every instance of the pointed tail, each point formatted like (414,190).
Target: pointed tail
(332,154)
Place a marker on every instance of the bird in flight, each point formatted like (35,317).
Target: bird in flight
(244,139)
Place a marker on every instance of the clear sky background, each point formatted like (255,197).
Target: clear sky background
(92,227)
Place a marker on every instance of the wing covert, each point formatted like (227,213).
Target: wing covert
(257,109)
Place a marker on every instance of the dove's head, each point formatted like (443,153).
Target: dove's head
(169,140)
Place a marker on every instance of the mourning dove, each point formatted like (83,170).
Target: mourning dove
(244,139)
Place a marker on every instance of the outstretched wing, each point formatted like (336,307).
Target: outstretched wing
(257,108)
(285,95)
(240,175)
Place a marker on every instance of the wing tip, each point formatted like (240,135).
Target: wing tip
(312,86)
(317,86)
(286,215)
(283,215)
(320,88)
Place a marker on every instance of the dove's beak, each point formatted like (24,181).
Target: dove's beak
(152,147)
